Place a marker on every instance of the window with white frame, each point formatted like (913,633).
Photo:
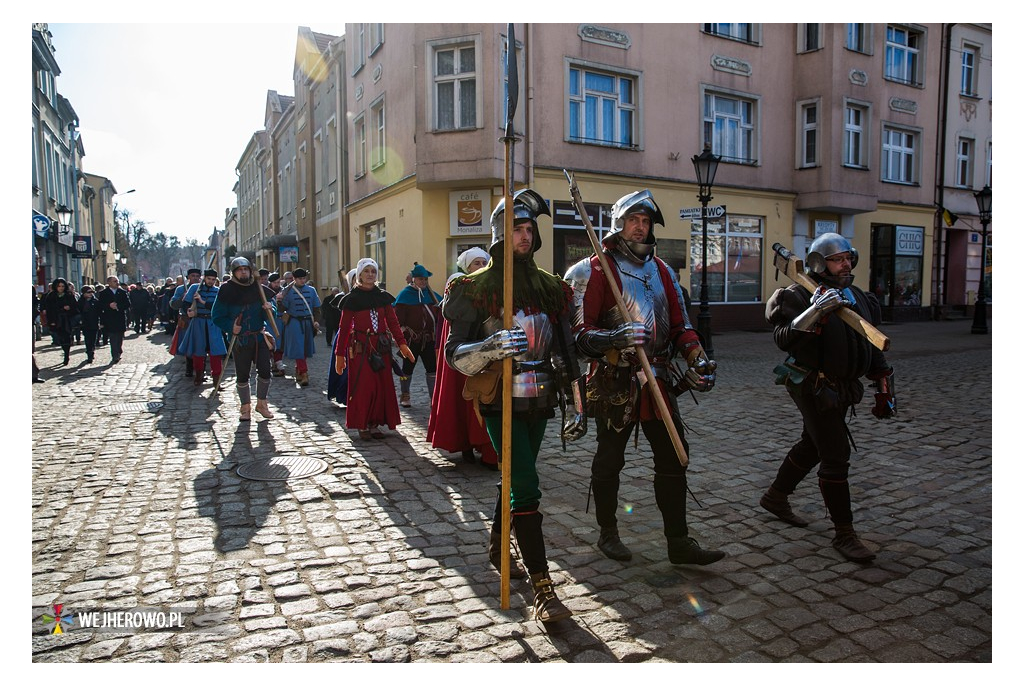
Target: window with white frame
(376,37)
(730,127)
(855,137)
(903,55)
(809,37)
(454,70)
(899,155)
(301,167)
(378,153)
(51,173)
(359,145)
(969,70)
(375,247)
(319,160)
(743,32)
(964,162)
(330,150)
(858,37)
(359,48)
(808,134)
(602,107)
(35,158)
(735,262)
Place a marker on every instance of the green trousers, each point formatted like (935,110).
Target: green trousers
(527,436)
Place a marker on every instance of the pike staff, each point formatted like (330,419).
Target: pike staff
(651,379)
(511,102)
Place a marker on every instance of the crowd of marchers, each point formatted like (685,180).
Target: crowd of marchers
(610,344)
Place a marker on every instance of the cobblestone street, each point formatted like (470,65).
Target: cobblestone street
(381,558)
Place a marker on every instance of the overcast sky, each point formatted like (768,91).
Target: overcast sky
(167,109)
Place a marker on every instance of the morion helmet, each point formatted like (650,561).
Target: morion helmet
(526,204)
(826,245)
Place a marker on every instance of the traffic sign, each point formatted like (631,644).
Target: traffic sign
(693,213)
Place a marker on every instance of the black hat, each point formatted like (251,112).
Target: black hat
(211,272)
(300,273)
(274,277)
(193,271)
(264,272)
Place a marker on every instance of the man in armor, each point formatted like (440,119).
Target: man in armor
(242,311)
(544,362)
(202,338)
(822,374)
(657,321)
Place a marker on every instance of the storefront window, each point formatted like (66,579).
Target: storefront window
(734,267)
(897,259)
(571,242)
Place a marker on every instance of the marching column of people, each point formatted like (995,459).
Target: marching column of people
(202,338)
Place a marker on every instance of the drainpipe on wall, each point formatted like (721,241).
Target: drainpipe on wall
(940,285)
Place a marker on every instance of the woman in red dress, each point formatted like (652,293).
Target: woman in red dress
(461,430)
(368,325)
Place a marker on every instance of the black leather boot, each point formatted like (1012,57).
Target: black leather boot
(613,548)
(494,553)
(687,551)
(777,503)
(850,546)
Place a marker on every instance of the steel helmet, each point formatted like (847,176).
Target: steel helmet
(637,201)
(826,245)
(526,204)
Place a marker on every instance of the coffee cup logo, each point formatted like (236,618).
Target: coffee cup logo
(470,213)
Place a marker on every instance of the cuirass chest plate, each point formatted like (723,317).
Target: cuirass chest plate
(645,300)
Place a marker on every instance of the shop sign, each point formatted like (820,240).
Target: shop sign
(469,212)
(909,241)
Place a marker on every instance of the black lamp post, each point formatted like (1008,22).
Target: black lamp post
(706,165)
(984,198)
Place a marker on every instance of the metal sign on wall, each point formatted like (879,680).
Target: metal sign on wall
(469,212)
(82,247)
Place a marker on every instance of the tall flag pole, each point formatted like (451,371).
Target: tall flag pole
(511,102)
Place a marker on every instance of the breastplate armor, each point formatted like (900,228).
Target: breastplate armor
(645,300)
(532,373)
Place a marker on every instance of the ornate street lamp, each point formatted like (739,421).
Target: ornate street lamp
(984,199)
(64,219)
(104,245)
(706,166)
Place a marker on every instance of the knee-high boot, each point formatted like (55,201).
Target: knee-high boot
(494,547)
(837,499)
(606,501)
(546,605)
(670,494)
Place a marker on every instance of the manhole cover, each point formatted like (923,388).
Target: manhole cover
(282,468)
(134,407)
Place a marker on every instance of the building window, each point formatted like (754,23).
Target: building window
(964,162)
(855,136)
(746,33)
(734,267)
(729,127)
(375,247)
(319,159)
(378,154)
(455,87)
(902,55)
(988,166)
(376,37)
(897,260)
(969,71)
(51,174)
(858,37)
(809,37)
(899,156)
(301,167)
(809,134)
(359,48)
(571,244)
(330,150)
(602,107)
(359,145)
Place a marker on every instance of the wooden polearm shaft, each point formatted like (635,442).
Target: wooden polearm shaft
(511,101)
(652,380)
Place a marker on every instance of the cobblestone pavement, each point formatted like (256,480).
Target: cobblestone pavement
(381,557)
